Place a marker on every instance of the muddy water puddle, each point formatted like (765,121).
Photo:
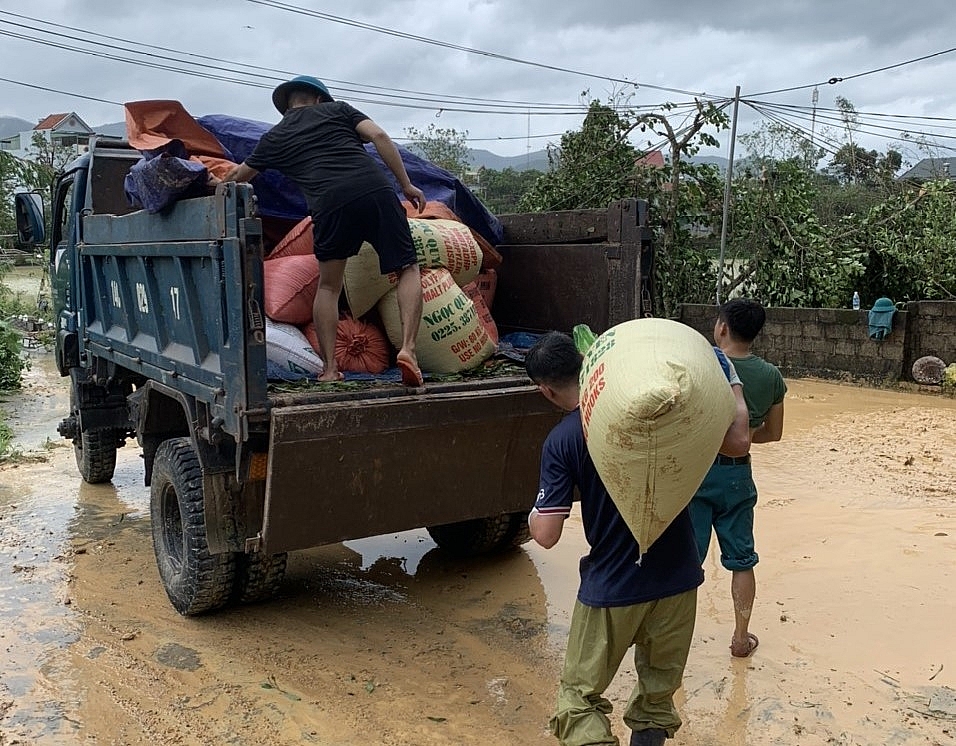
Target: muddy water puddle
(389,641)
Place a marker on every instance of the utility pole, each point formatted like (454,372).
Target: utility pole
(813,125)
(727,183)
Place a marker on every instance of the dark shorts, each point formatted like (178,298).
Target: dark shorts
(376,217)
(725,503)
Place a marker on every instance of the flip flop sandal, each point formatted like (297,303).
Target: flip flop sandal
(752,641)
(411,374)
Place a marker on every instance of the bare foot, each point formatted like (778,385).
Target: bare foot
(744,649)
(331,376)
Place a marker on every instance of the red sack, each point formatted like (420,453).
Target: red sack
(487,282)
(360,346)
(473,291)
(290,283)
(297,242)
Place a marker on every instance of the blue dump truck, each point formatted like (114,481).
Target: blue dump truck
(160,327)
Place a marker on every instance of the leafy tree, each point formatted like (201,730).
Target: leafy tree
(501,191)
(856,165)
(908,243)
(445,147)
(10,179)
(771,142)
(592,167)
(779,249)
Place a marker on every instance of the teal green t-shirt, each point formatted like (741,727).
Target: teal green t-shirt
(763,386)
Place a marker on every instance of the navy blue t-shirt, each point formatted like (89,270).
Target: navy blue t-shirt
(610,573)
(318,148)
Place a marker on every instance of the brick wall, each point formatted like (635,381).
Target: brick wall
(930,330)
(827,341)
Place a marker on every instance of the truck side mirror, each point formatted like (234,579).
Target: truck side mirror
(30,218)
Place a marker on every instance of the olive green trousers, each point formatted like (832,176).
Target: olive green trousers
(660,632)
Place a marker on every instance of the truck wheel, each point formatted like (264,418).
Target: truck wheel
(519,533)
(482,535)
(195,580)
(258,576)
(95,452)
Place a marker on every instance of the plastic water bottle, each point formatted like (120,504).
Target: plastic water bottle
(856,301)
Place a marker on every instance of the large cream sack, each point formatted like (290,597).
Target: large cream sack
(448,244)
(365,285)
(655,405)
(451,337)
(438,243)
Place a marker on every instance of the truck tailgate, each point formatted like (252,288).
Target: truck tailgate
(348,469)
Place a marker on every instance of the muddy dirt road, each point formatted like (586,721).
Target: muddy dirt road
(387,641)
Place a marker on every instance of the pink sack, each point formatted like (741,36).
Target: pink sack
(290,285)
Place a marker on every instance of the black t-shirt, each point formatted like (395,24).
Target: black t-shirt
(318,148)
(610,573)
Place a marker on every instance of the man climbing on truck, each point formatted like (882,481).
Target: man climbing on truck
(319,145)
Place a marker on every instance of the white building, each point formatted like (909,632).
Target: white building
(67,132)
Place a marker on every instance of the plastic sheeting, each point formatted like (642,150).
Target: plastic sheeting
(280,197)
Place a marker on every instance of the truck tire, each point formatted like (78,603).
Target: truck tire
(258,576)
(482,535)
(95,452)
(195,580)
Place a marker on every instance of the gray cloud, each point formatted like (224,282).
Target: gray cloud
(692,45)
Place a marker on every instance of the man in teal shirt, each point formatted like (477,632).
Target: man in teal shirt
(726,499)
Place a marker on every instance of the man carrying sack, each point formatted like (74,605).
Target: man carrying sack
(624,598)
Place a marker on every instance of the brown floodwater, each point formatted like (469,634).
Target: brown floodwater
(388,641)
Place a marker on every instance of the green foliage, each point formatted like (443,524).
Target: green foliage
(9,180)
(782,253)
(501,191)
(591,168)
(6,436)
(908,243)
(12,364)
(772,142)
(445,147)
(856,165)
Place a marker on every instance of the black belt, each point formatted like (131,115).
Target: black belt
(723,460)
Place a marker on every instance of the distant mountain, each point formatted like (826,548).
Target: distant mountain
(14,126)
(115,129)
(537,159)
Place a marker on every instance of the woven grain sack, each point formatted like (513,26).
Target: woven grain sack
(655,405)
(297,242)
(450,338)
(364,283)
(289,285)
(473,291)
(487,282)
(448,244)
(360,346)
(288,348)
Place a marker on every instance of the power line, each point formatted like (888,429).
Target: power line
(288,7)
(834,80)
(275,74)
(218,73)
(63,93)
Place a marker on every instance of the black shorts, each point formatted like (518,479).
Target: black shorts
(376,217)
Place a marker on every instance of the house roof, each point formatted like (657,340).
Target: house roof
(51,121)
(654,159)
(69,122)
(931,168)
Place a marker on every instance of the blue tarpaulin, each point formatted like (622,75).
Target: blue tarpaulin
(279,197)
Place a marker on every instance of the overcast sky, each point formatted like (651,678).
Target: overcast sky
(694,46)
